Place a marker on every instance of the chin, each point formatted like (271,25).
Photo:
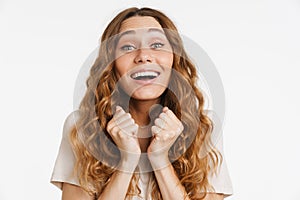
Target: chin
(144,97)
(144,94)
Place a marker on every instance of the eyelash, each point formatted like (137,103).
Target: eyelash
(126,48)
(155,45)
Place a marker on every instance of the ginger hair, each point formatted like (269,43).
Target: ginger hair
(90,139)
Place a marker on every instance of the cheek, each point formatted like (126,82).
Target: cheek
(166,59)
(121,65)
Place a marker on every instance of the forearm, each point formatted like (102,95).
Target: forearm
(169,184)
(118,185)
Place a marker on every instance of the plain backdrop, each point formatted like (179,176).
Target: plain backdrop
(254,45)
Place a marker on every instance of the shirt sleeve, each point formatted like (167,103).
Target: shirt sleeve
(65,161)
(221,180)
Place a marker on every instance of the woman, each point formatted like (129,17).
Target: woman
(140,131)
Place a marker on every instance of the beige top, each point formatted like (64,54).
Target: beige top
(65,161)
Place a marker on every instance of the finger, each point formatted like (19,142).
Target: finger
(164,136)
(179,129)
(165,118)
(113,131)
(122,117)
(124,121)
(171,119)
(119,111)
(110,125)
(156,130)
(130,130)
(160,123)
(118,119)
(133,129)
(170,114)
(157,133)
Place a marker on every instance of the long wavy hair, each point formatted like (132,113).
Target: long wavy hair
(90,140)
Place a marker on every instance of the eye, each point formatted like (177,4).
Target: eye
(128,48)
(157,45)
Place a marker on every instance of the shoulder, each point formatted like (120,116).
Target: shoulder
(70,122)
(65,160)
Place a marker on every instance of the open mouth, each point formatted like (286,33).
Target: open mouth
(145,75)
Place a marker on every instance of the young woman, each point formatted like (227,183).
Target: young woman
(141,131)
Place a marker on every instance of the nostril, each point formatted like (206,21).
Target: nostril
(143,56)
(143,60)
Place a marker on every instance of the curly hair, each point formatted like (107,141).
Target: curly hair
(91,141)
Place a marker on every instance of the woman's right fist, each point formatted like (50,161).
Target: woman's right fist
(123,130)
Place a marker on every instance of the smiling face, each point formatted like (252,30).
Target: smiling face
(144,58)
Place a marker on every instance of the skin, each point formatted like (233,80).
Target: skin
(143,45)
(124,126)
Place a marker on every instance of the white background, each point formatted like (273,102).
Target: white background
(254,44)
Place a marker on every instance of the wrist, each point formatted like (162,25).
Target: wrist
(128,163)
(159,161)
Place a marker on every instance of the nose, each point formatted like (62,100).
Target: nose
(143,56)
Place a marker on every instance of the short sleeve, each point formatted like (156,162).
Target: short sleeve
(221,180)
(65,161)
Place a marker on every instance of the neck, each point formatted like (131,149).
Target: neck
(139,110)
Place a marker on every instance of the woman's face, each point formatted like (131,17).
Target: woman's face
(144,58)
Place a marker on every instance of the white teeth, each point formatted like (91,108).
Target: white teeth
(143,74)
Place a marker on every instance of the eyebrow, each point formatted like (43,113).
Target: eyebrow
(156,30)
(129,32)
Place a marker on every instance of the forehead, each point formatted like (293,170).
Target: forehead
(138,22)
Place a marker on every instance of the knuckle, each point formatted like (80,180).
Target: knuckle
(108,128)
(154,129)
(109,124)
(156,121)
(162,115)
(181,127)
(165,137)
(121,136)
(114,130)
(169,112)
(173,134)
(135,127)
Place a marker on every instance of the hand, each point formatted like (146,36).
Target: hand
(123,130)
(167,127)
